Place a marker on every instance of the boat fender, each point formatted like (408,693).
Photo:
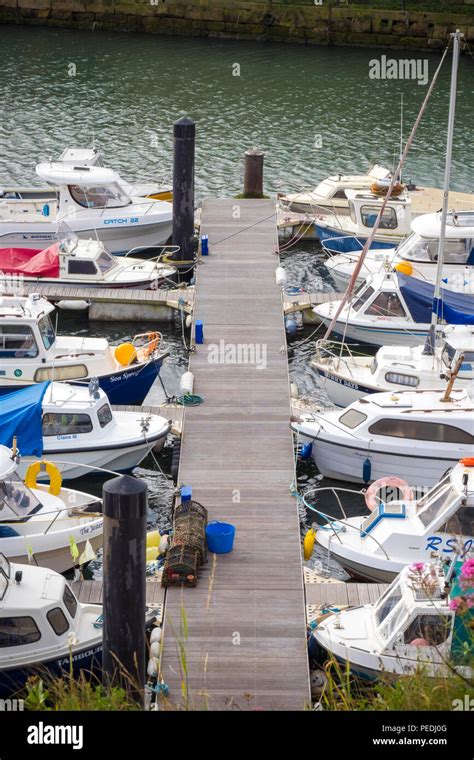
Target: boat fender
(155,648)
(163,547)
(280,276)
(55,478)
(291,327)
(371,499)
(153,539)
(186,383)
(152,553)
(125,354)
(78,305)
(152,668)
(306,451)
(308,543)
(366,470)
(155,635)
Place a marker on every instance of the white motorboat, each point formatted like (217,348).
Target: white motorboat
(74,428)
(86,157)
(37,524)
(92,203)
(414,435)
(418,254)
(80,262)
(420,622)
(32,352)
(388,310)
(341,234)
(377,545)
(45,630)
(347,376)
(329,196)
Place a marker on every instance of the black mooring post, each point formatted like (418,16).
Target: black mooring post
(124,635)
(253,173)
(184,133)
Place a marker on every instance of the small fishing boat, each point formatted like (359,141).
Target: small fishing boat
(391,308)
(87,157)
(329,196)
(44,629)
(378,544)
(347,376)
(415,435)
(82,262)
(38,523)
(417,255)
(75,429)
(421,621)
(91,203)
(32,352)
(341,234)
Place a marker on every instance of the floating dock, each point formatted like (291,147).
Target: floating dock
(245,646)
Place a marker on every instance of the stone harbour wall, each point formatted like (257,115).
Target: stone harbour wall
(285,21)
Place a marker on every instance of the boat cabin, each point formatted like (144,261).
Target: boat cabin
(414,619)
(26,331)
(380,296)
(76,412)
(91,187)
(364,208)
(422,245)
(38,611)
(335,187)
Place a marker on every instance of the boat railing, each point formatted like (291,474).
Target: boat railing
(332,522)
(337,357)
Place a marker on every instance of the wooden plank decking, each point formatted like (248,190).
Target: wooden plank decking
(246,618)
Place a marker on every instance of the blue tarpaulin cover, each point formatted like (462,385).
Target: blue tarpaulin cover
(455,308)
(20,416)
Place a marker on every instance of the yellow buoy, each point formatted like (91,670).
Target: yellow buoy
(308,543)
(404,267)
(153,539)
(125,354)
(151,553)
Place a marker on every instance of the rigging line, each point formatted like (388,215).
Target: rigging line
(394,180)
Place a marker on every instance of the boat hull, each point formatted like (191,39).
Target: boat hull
(58,559)
(383,335)
(336,241)
(126,386)
(340,390)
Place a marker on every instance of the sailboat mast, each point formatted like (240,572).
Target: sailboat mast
(430,342)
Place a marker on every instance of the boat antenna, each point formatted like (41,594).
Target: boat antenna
(429,347)
(355,274)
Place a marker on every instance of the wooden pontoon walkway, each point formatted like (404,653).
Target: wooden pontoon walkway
(246,645)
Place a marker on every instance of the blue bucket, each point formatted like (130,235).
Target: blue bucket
(220,537)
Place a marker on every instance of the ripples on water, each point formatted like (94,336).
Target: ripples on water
(129,89)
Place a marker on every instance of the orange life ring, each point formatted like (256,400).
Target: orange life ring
(153,343)
(467,461)
(392,482)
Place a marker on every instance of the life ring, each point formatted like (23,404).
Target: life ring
(391,481)
(153,343)
(55,478)
(467,461)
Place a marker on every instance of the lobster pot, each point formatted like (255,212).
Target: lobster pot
(181,566)
(190,508)
(194,537)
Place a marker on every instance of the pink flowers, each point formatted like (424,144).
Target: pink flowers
(467,570)
(417,567)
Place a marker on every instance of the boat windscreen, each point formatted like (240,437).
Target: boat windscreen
(436,501)
(16,498)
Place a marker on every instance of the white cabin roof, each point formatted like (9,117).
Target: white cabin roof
(32,306)
(57,173)
(7,464)
(419,400)
(79,156)
(375,172)
(459,224)
(376,200)
(39,587)
(460,338)
(59,395)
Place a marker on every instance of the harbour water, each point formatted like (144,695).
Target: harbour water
(313,110)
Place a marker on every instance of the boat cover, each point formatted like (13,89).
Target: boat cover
(20,416)
(30,263)
(454,308)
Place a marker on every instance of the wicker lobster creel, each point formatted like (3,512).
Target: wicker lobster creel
(190,508)
(181,566)
(188,534)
